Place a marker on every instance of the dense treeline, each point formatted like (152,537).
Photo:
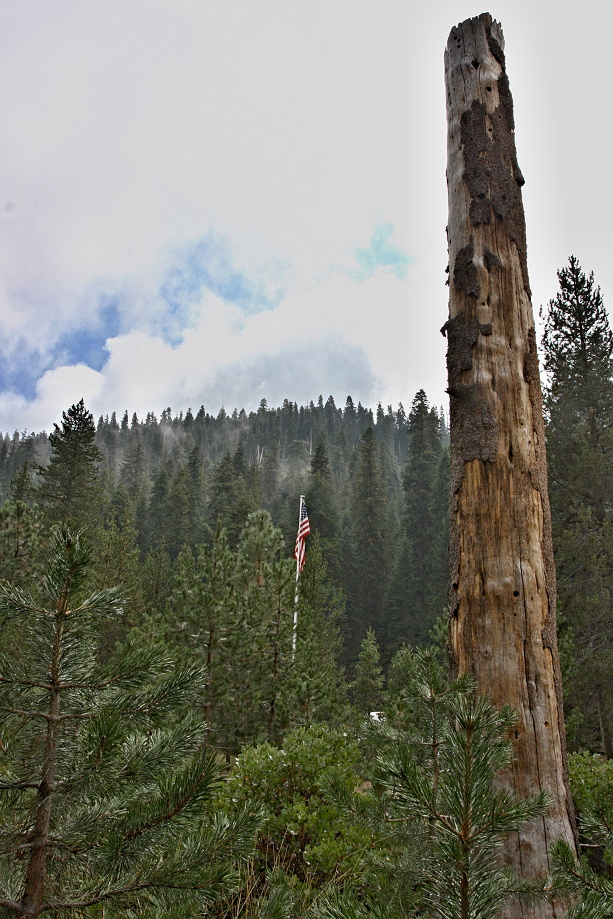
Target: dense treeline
(376,489)
(173,744)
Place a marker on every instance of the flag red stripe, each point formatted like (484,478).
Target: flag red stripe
(303,531)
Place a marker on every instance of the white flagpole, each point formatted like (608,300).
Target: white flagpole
(295,632)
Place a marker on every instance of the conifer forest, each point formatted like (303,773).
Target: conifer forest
(170,746)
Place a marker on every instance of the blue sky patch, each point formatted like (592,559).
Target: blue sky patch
(381,254)
(208,265)
(81,346)
(21,371)
(86,344)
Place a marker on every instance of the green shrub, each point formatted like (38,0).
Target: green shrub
(303,833)
(591,782)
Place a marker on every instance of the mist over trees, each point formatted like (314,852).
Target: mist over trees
(168,482)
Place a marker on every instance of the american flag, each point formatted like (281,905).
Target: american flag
(303,531)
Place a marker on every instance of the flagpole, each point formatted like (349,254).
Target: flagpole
(295,631)
(300,554)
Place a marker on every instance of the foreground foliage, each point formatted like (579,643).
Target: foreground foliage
(588,882)
(105,784)
(305,836)
(442,797)
(423,838)
(111,803)
(233,612)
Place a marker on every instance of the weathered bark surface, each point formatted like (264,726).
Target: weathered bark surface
(503,627)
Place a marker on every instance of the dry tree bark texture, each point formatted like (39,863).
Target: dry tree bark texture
(503,594)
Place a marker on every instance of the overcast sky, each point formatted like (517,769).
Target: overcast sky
(219,201)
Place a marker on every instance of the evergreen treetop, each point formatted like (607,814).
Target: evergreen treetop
(69,489)
(577,341)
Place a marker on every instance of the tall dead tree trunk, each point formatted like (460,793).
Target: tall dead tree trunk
(503,623)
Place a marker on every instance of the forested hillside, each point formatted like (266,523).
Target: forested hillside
(375,486)
(171,744)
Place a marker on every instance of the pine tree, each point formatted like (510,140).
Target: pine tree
(436,561)
(420,576)
(322,508)
(234,609)
(578,357)
(419,480)
(270,472)
(135,479)
(315,690)
(201,613)
(197,481)
(442,802)
(367,687)
(368,550)
(233,494)
(105,783)
(436,811)
(578,346)
(156,580)
(588,881)
(158,511)
(20,542)
(590,894)
(263,636)
(21,487)
(70,490)
(181,524)
(116,560)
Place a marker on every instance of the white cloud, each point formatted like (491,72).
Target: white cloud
(363,339)
(373,320)
(55,391)
(131,130)
(135,126)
